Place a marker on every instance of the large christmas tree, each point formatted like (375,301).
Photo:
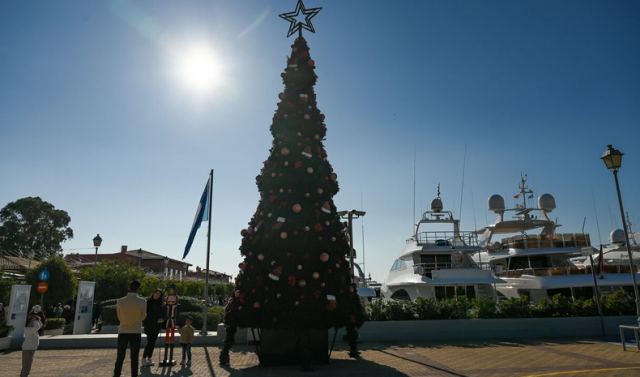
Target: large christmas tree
(295,272)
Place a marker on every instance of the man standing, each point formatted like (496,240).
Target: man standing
(131,310)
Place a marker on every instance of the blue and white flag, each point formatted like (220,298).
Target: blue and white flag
(202,214)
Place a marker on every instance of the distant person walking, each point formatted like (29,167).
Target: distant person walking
(35,321)
(186,338)
(152,325)
(131,310)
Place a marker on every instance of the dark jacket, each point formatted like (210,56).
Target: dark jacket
(154,313)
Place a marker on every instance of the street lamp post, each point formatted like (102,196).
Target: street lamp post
(350,215)
(612,159)
(97,241)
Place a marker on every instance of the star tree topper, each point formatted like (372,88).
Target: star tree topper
(294,18)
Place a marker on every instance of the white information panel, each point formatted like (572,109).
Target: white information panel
(18,309)
(84,308)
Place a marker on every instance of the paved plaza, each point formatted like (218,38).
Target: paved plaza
(586,358)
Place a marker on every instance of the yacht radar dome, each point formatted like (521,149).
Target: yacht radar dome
(496,203)
(436,205)
(617,236)
(547,202)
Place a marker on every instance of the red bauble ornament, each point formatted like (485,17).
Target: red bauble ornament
(285,151)
(296,208)
(318,227)
(256,305)
(311,63)
(291,280)
(297,164)
(324,257)
(244,232)
(302,283)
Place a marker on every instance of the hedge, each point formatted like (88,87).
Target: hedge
(189,305)
(618,302)
(54,323)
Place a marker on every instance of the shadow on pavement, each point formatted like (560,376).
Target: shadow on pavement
(335,367)
(518,343)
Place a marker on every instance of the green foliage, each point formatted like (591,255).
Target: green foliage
(112,278)
(483,308)
(33,228)
(400,310)
(109,315)
(62,283)
(5,330)
(5,289)
(427,308)
(454,308)
(514,307)
(187,305)
(618,302)
(54,323)
(214,316)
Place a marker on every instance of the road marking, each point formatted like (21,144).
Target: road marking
(579,371)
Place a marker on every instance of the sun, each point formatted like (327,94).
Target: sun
(198,68)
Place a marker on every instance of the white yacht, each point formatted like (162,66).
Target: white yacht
(531,258)
(437,263)
(611,264)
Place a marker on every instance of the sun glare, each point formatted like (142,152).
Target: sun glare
(198,69)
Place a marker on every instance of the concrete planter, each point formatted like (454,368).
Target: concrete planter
(54,332)
(109,329)
(481,329)
(5,343)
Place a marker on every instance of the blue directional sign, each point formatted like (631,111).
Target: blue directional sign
(43,275)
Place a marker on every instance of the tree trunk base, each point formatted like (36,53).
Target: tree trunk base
(286,346)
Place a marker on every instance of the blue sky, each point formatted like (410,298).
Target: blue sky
(92,120)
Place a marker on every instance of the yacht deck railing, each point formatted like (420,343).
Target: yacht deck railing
(560,240)
(447,238)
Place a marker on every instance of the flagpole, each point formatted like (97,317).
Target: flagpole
(206,276)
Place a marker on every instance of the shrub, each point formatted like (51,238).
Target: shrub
(109,316)
(454,308)
(375,310)
(515,307)
(427,308)
(483,308)
(62,282)
(399,311)
(5,330)
(618,303)
(54,323)
(213,318)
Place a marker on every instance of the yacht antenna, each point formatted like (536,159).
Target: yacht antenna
(595,210)
(524,191)
(414,186)
(362,232)
(464,164)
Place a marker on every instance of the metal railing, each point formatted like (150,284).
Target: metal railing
(547,271)
(447,239)
(562,240)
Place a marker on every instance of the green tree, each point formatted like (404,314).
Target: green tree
(62,284)
(112,278)
(33,228)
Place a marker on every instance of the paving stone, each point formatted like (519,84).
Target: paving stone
(500,359)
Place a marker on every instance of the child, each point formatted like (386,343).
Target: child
(186,337)
(31,339)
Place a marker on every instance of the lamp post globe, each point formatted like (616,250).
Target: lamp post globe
(612,159)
